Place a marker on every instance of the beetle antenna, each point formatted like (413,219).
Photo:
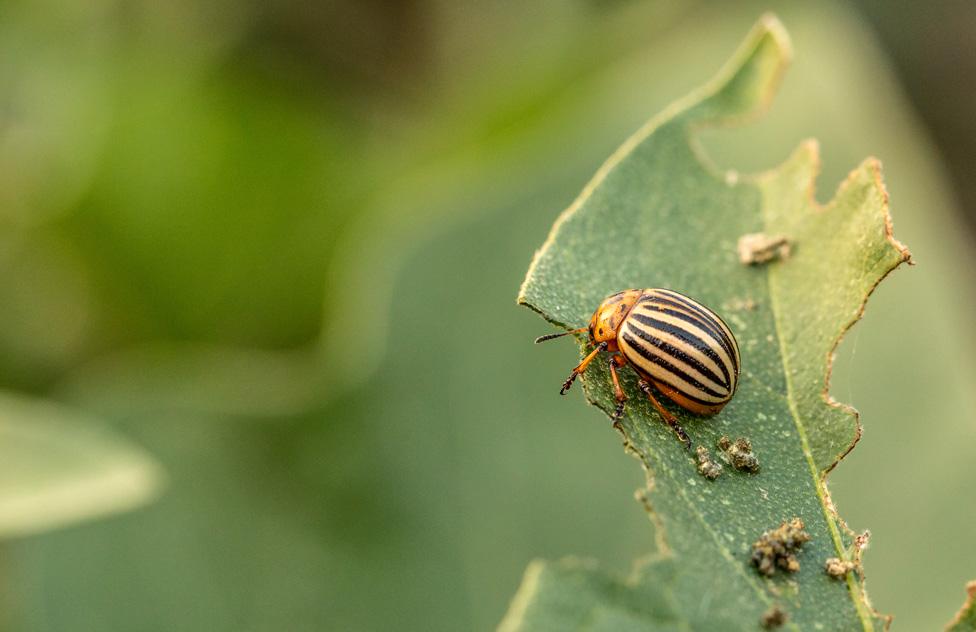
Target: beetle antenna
(559,335)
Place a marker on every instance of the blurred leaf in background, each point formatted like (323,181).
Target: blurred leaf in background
(59,468)
(277,252)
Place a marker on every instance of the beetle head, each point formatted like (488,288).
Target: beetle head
(610,314)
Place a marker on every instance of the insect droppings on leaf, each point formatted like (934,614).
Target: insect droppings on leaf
(773,618)
(838,568)
(739,454)
(756,248)
(707,466)
(777,548)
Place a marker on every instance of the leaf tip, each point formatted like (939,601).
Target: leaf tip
(97,473)
(873,165)
(523,597)
(810,148)
(965,619)
(770,24)
(869,176)
(744,88)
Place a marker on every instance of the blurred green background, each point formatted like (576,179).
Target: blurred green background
(264,258)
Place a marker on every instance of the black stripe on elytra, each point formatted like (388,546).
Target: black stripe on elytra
(708,320)
(705,327)
(676,388)
(651,300)
(679,354)
(701,309)
(651,357)
(671,352)
(689,337)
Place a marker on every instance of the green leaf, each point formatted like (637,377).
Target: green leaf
(57,468)
(657,214)
(561,595)
(965,619)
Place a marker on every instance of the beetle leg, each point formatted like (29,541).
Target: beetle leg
(618,392)
(582,367)
(671,420)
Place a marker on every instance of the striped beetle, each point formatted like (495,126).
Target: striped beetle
(671,341)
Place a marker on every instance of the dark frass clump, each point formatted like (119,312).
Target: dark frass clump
(707,466)
(739,454)
(838,568)
(773,618)
(778,548)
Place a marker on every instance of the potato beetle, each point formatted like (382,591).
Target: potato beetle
(672,342)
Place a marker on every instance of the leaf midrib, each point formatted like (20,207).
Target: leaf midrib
(859,605)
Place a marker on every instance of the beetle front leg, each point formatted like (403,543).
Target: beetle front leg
(582,367)
(618,392)
(671,420)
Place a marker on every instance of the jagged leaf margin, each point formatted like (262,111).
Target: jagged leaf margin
(643,221)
